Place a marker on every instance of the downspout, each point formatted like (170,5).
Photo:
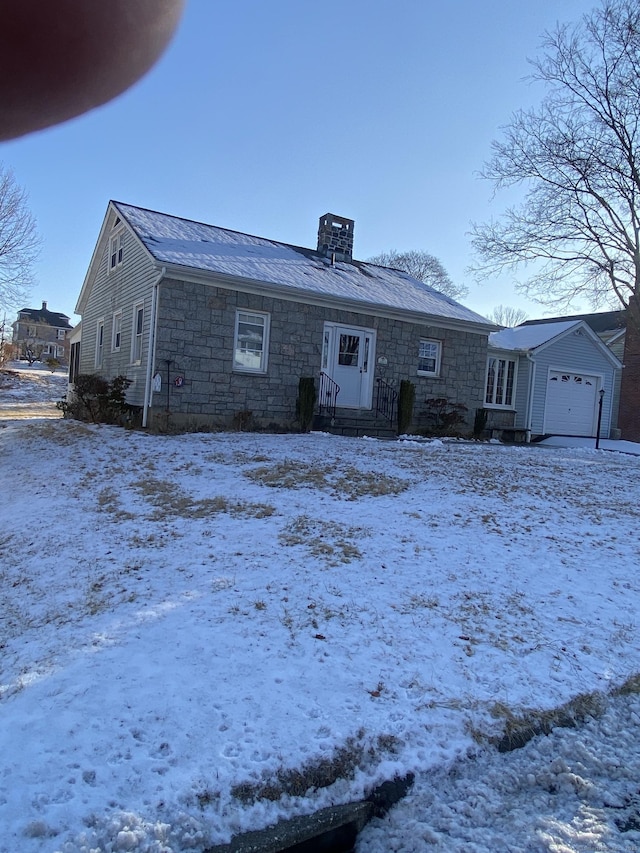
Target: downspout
(532,382)
(151,355)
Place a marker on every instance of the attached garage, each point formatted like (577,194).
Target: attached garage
(558,370)
(571,403)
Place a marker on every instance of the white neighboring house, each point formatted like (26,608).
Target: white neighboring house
(547,379)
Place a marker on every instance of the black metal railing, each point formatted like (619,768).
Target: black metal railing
(327,395)
(386,401)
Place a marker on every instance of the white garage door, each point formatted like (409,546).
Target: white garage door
(571,403)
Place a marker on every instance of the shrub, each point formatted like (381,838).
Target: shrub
(480,422)
(52,363)
(306,402)
(444,417)
(97,400)
(243,421)
(406,400)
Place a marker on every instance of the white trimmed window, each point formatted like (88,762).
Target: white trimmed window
(99,342)
(116,332)
(116,247)
(429,356)
(136,341)
(501,375)
(251,342)
(61,334)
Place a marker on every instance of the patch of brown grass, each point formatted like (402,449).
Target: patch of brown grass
(329,540)
(520,728)
(170,501)
(320,773)
(347,483)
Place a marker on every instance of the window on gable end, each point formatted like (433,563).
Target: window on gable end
(116,250)
(136,340)
(99,343)
(116,332)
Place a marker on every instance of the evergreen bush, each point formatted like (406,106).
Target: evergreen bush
(406,400)
(97,399)
(306,402)
(480,422)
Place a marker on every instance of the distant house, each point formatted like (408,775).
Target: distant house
(549,377)
(216,327)
(42,334)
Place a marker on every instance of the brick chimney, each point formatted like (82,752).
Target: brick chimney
(44,305)
(335,237)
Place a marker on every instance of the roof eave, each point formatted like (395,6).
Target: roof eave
(291,294)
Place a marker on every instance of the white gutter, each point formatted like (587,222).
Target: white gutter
(151,355)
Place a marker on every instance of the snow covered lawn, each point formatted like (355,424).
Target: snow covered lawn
(30,392)
(201,634)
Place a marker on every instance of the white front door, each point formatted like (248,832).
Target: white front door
(348,360)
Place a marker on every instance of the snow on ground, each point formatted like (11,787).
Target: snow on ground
(202,634)
(590,444)
(28,392)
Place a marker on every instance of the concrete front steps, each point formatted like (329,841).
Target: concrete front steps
(355,422)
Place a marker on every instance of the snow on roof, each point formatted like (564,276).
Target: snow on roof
(172,240)
(529,337)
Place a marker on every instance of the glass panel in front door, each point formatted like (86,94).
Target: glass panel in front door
(349,350)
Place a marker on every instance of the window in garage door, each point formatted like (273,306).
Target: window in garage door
(571,403)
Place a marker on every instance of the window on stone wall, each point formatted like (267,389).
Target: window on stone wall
(429,356)
(251,343)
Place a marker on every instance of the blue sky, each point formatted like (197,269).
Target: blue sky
(262,116)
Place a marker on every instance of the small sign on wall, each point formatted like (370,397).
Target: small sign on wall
(383,361)
(178,381)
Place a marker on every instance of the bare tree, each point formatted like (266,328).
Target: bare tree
(578,157)
(19,241)
(424,267)
(32,350)
(508,316)
(5,345)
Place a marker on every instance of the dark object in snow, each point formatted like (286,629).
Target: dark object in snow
(331,830)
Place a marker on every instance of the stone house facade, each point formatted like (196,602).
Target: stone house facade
(214,328)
